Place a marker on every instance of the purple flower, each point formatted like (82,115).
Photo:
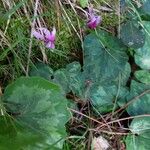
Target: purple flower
(46,36)
(93,19)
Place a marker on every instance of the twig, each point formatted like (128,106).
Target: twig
(102,118)
(122,119)
(58,14)
(81,38)
(118,13)
(131,101)
(31,36)
(69,20)
(109,132)
(77,112)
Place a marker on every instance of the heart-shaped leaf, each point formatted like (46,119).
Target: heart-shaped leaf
(42,70)
(140,137)
(145,10)
(142,55)
(143,76)
(140,96)
(131,35)
(124,75)
(104,57)
(104,96)
(76,79)
(70,78)
(61,78)
(39,107)
(13,136)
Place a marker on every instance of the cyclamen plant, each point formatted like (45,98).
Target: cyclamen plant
(34,109)
(93,19)
(46,36)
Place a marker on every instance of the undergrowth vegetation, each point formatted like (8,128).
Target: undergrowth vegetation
(75,75)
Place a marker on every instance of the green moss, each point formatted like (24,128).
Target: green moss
(109,20)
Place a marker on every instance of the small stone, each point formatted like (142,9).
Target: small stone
(99,143)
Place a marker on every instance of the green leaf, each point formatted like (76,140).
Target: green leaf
(124,75)
(42,70)
(73,68)
(143,76)
(13,137)
(145,10)
(104,57)
(141,104)
(142,55)
(131,35)
(141,126)
(83,3)
(61,78)
(76,79)
(146,7)
(140,138)
(103,96)
(39,107)
(123,5)
(71,79)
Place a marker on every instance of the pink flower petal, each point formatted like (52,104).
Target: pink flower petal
(54,31)
(37,35)
(92,23)
(98,20)
(93,19)
(52,35)
(50,45)
(45,35)
(44,31)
